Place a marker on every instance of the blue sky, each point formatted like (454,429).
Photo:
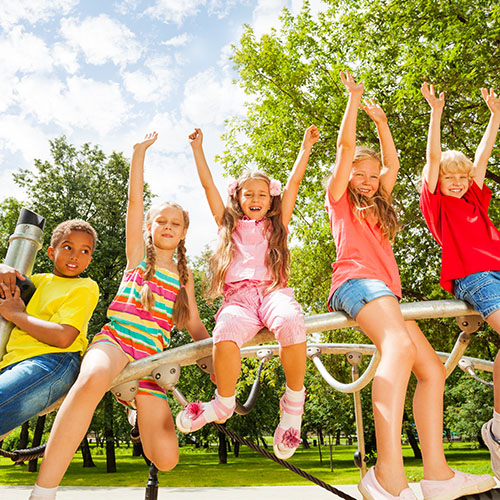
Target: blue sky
(107,72)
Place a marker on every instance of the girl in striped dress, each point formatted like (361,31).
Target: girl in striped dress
(156,292)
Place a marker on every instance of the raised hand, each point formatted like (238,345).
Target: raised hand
(374,111)
(311,135)
(196,138)
(435,102)
(351,86)
(149,139)
(491,101)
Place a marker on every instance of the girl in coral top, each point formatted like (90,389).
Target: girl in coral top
(250,269)
(366,285)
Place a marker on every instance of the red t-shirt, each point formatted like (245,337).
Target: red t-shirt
(469,240)
(362,251)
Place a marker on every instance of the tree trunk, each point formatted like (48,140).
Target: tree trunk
(337,438)
(411,437)
(263,441)
(236,446)
(37,439)
(108,433)
(137,449)
(305,442)
(86,455)
(222,448)
(23,438)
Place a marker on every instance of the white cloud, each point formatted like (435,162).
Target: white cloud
(155,85)
(266,16)
(315,7)
(211,98)
(102,39)
(179,40)
(23,52)
(66,57)
(175,11)
(33,11)
(79,102)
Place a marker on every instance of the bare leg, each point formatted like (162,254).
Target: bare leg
(382,321)
(227,366)
(100,366)
(494,321)
(428,405)
(158,436)
(293,360)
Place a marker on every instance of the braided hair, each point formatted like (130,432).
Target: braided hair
(181,307)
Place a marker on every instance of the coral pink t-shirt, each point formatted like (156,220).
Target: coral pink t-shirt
(470,242)
(362,251)
(251,245)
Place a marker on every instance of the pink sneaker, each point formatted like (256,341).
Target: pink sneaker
(459,485)
(197,414)
(371,489)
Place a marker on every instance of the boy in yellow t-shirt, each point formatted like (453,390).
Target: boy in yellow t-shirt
(50,334)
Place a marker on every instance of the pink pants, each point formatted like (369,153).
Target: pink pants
(246,309)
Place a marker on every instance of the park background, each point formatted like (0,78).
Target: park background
(287,76)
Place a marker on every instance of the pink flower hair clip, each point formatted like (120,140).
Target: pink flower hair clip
(274,187)
(232,187)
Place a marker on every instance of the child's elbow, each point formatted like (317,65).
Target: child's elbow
(67,337)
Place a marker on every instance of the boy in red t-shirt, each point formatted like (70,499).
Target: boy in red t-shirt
(455,203)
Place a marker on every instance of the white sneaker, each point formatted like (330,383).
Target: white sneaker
(493,445)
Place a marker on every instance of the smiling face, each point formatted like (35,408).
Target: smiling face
(167,227)
(454,184)
(72,255)
(254,198)
(365,176)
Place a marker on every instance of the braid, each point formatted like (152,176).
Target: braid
(147,298)
(181,307)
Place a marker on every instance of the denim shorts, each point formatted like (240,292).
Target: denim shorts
(480,290)
(354,294)
(30,386)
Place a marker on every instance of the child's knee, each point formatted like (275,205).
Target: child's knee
(166,462)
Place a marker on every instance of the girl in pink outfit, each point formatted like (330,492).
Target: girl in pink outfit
(250,269)
(366,285)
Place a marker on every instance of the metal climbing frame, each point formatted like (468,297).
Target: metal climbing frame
(467,318)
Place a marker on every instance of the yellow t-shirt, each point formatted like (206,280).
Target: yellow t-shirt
(66,301)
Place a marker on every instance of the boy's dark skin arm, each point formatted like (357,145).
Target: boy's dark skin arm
(12,309)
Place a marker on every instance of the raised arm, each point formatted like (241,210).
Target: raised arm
(431,169)
(135,209)
(194,325)
(291,190)
(390,159)
(346,142)
(211,192)
(485,147)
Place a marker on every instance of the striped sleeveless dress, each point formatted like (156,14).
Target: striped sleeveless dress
(136,332)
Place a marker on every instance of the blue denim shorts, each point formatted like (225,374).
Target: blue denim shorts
(29,387)
(354,294)
(480,290)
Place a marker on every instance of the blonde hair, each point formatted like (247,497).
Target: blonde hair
(181,307)
(278,257)
(379,205)
(454,161)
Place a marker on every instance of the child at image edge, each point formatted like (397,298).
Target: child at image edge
(156,291)
(366,285)
(250,269)
(455,203)
(44,349)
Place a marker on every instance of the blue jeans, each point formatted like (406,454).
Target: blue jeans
(481,290)
(30,386)
(354,294)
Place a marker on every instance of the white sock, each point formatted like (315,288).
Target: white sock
(287,419)
(40,493)
(226,401)
(495,426)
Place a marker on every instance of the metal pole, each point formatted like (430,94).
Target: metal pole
(23,247)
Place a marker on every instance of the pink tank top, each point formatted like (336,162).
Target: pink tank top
(251,242)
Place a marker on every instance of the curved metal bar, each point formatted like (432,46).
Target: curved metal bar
(187,354)
(457,352)
(354,386)
(247,407)
(468,367)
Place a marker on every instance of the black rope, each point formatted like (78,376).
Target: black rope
(284,463)
(25,455)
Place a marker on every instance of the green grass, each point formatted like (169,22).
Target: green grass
(198,468)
